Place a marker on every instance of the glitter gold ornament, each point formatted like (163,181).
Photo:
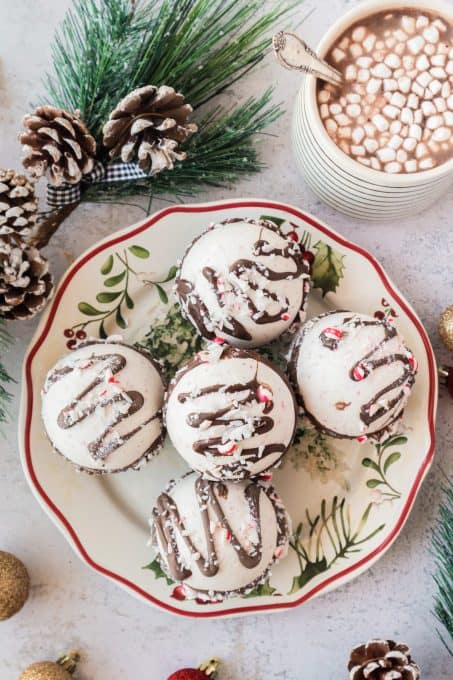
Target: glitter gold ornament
(14,585)
(446,327)
(62,669)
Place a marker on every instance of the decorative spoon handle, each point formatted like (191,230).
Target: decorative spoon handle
(294,54)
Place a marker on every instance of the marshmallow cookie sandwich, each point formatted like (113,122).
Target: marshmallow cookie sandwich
(352,374)
(242,280)
(218,538)
(230,413)
(102,406)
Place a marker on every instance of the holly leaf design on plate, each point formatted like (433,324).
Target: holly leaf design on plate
(328,268)
(262,590)
(158,572)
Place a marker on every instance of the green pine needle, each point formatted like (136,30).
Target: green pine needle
(107,48)
(443,547)
(218,155)
(5,396)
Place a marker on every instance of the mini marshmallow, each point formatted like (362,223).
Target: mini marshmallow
(404,84)
(338,55)
(413,101)
(408,62)
(356,50)
(357,150)
(411,166)
(408,24)
(323,96)
(438,59)
(353,110)
(431,34)
(422,62)
(407,116)
(390,85)
(363,75)
(440,104)
(392,60)
(370,129)
(448,118)
(421,150)
(422,21)
(380,122)
(429,49)
(364,161)
(335,108)
(386,154)
(358,134)
(415,131)
(370,145)
(438,72)
(442,134)
(417,89)
(426,164)
(395,142)
(373,85)
(409,143)
(395,127)
(435,86)
(418,116)
(391,111)
(392,168)
(375,163)
(439,24)
(345,133)
(428,108)
(353,98)
(350,72)
(364,62)
(424,78)
(401,156)
(446,90)
(331,126)
(324,111)
(416,44)
(369,42)
(359,33)
(344,43)
(342,119)
(398,99)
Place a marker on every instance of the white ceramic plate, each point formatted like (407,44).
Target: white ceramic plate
(348,501)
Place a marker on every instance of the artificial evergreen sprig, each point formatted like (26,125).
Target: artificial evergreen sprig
(5,378)
(443,577)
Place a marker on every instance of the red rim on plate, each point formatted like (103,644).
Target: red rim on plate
(65,524)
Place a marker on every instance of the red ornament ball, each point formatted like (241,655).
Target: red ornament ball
(188,674)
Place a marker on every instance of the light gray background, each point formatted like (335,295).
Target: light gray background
(121,638)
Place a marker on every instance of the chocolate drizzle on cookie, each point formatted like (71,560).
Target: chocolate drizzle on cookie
(372,410)
(235,417)
(244,278)
(103,392)
(167,523)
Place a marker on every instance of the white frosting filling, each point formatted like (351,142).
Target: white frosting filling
(218,249)
(107,403)
(237,435)
(323,375)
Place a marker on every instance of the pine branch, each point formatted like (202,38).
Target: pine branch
(5,396)
(106,48)
(218,155)
(443,547)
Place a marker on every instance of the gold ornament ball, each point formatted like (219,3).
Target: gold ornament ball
(45,670)
(446,327)
(14,585)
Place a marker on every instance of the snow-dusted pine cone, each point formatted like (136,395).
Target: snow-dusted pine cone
(25,280)
(18,204)
(147,126)
(382,660)
(57,143)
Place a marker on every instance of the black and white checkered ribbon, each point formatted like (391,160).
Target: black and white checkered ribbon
(65,194)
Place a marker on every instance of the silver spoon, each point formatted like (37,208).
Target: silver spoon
(294,54)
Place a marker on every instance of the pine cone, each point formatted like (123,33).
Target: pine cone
(18,204)
(382,660)
(25,280)
(147,125)
(57,143)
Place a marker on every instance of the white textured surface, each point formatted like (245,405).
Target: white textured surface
(120,637)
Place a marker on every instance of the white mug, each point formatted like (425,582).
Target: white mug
(338,179)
